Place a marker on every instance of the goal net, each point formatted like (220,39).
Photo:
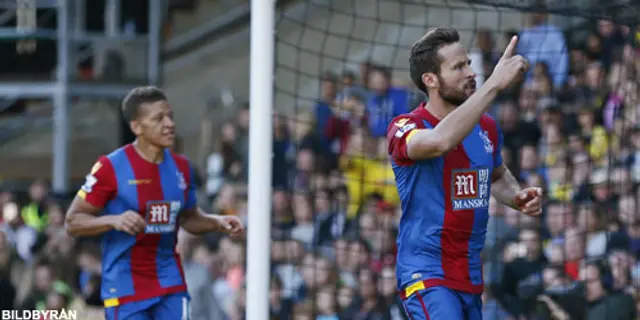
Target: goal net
(570,127)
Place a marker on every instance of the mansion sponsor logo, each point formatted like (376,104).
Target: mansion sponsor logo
(470,189)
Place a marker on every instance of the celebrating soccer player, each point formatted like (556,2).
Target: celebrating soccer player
(136,198)
(447,164)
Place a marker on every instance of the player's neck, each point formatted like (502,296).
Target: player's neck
(439,108)
(148,151)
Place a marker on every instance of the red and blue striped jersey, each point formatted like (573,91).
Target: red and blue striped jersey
(145,265)
(445,204)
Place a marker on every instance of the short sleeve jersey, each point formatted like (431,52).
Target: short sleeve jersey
(145,265)
(445,203)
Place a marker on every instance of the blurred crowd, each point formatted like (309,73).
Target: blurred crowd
(571,127)
(41,267)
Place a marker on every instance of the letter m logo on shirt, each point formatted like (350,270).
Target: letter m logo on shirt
(465,184)
(159,213)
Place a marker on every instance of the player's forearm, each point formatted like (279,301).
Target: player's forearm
(505,189)
(459,123)
(199,222)
(86,225)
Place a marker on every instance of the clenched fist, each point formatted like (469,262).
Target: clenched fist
(230,225)
(529,201)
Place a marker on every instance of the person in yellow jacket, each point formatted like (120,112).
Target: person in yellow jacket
(596,135)
(34,214)
(367,170)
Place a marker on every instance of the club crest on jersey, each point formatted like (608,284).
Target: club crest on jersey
(470,188)
(161,216)
(488,145)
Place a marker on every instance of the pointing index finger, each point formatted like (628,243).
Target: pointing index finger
(511,48)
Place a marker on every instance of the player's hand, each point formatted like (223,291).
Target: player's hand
(509,68)
(230,225)
(529,201)
(130,222)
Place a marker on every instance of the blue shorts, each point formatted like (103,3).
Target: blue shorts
(175,306)
(440,303)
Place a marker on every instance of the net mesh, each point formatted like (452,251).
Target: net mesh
(569,127)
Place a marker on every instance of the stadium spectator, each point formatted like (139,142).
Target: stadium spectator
(198,265)
(604,303)
(484,55)
(34,214)
(21,237)
(10,265)
(280,306)
(385,101)
(521,274)
(543,42)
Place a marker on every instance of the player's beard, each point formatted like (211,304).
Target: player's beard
(453,95)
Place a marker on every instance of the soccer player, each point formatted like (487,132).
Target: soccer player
(446,159)
(136,198)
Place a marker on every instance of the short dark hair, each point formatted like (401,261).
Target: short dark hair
(138,96)
(424,53)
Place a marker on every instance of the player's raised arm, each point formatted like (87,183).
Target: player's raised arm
(449,86)
(83,217)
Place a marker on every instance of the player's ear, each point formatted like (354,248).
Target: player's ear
(136,128)
(430,80)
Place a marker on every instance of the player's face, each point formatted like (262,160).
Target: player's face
(456,81)
(155,124)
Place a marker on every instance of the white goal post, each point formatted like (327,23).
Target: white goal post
(260,151)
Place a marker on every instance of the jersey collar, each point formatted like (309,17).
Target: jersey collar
(422,112)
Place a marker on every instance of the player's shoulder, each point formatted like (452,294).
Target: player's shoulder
(102,168)
(404,121)
(179,158)
(488,122)
(487,118)
(406,117)
(112,158)
(116,155)
(182,161)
